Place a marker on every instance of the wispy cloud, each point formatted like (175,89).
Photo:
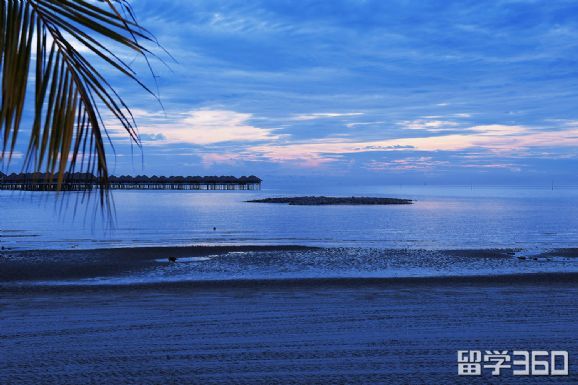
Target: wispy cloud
(428,125)
(201,127)
(323,115)
(211,159)
(494,139)
(421,163)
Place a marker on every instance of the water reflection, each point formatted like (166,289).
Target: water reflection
(442,217)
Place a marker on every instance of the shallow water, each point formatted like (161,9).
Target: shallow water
(328,263)
(441,218)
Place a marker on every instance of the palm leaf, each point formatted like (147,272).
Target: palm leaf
(39,42)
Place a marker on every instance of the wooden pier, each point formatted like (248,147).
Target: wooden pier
(85,182)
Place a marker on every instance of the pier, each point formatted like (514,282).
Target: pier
(84,182)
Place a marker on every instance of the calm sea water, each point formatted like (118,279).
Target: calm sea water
(441,218)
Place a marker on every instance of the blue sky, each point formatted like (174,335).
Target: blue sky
(385,91)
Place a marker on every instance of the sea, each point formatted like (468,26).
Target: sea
(442,217)
(447,231)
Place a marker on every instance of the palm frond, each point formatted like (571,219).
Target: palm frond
(40,43)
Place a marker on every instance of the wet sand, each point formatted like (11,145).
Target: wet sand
(342,331)
(264,331)
(74,264)
(21,265)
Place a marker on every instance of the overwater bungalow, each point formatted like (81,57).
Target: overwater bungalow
(87,181)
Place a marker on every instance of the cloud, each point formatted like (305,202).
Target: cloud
(406,164)
(221,158)
(507,166)
(499,130)
(201,127)
(428,125)
(323,115)
(428,163)
(77,45)
(351,125)
(152,137)
(493,139)
(13,155)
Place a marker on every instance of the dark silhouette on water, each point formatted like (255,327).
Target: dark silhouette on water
(87,181)
(322,200)
(172,259)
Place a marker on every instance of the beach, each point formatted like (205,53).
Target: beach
(292,330)
(287,294)
(280,332)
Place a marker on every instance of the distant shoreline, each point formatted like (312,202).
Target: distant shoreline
(330,201)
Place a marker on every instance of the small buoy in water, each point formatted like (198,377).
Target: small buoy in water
(172,259)
(214,229)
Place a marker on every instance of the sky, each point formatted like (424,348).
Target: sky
(458,92)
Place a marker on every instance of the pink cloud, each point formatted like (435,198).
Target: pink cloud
(497,139)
